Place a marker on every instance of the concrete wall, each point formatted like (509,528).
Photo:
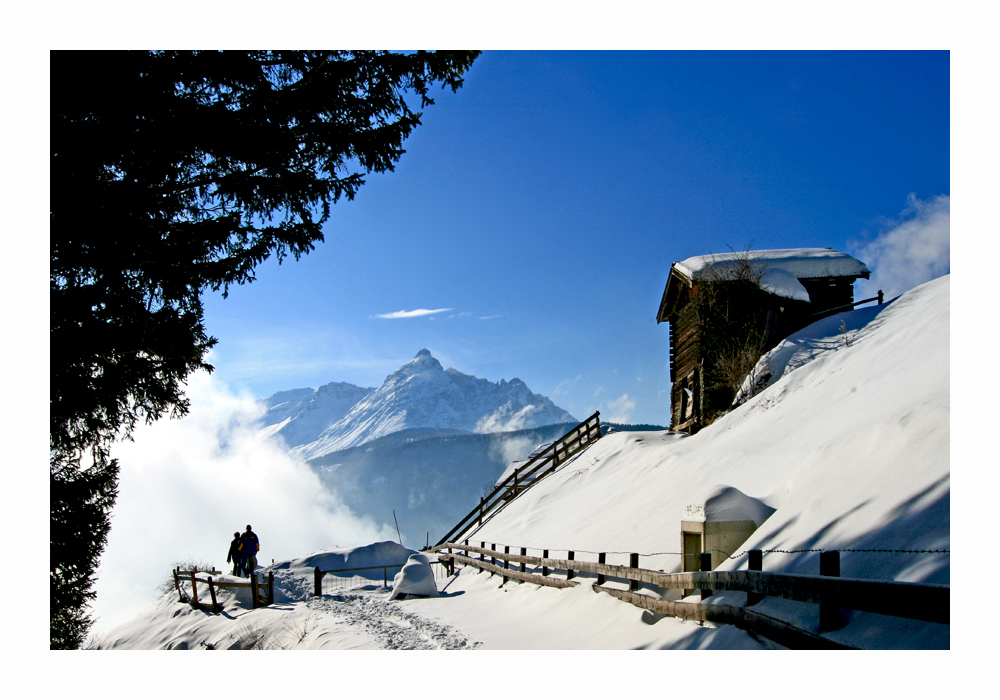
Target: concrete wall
(722,539)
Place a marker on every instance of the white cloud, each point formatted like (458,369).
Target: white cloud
(513,449)
(506,419)
(185,487)
(619,410)
(911,250)
(412,314)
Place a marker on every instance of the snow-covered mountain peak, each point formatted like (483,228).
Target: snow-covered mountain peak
(423,365)
(420,394)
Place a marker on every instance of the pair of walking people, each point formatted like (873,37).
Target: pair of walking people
(243,552)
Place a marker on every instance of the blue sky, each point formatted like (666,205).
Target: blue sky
(539,209)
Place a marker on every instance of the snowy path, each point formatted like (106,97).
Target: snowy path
(388,624)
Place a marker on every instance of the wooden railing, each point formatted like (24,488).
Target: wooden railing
(259,595)
(359,574)
(916,601)
(847,307)
(539,466)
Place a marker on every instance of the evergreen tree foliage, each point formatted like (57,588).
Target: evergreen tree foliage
(173,173)
(80,500)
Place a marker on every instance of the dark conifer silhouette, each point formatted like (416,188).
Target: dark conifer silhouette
(173,173)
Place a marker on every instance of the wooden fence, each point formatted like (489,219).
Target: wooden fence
(927,602)
(538,467)
(362,574)
(848,307)
(259,594)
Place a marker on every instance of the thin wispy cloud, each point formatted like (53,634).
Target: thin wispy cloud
(412,314)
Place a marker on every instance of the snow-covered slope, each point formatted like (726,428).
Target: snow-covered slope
(422,394)
(849,446)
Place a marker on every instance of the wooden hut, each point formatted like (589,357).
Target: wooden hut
(726,310)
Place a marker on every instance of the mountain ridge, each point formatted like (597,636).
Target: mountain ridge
(419,394)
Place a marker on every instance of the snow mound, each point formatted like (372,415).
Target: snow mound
(369,555)
(727,504)
(784,284)
(416,578)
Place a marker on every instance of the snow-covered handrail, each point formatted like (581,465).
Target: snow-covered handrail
(539,466)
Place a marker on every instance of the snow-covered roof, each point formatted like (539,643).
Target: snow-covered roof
(801,263)
(780,269)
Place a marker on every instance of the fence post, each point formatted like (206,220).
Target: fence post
(569,572)
(755,562)
(601,559)
(385,577)
(633,562)
(880,297)
(481,499)
(706,565)
(493,559)
(545,569)
(211,591)
(482,555)
(194,589)
(524,553)
(177,584)
(517,473)
(254,593)
(318,580)
(829,613)
(506,564)
(270,588)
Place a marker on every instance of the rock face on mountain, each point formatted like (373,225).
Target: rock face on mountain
(420,394)
(300,415)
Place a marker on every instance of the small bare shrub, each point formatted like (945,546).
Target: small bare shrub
(250,636)
(733,326)
(298,631)
(487,488)
(167,586)
(847,337)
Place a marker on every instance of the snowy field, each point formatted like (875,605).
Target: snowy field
(847,448)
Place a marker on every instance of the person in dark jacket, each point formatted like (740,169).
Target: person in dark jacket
(250,545)
(234,555)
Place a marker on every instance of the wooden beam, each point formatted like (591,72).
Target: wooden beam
(916,601)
